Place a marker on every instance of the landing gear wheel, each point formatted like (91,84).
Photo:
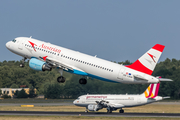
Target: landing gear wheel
(121,111)
(61,79)
(21,65)
(82,81)
(109,111)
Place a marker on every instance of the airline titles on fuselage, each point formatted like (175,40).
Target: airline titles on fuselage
(54,50)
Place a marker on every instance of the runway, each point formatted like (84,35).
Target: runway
(91,114)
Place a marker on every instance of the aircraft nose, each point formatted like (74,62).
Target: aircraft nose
(74,102)
(7,45)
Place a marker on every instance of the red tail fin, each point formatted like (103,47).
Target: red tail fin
(148,61)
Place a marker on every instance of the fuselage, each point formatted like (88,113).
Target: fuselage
(81,63)
(121,100)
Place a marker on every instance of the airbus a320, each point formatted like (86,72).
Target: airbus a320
(44,56)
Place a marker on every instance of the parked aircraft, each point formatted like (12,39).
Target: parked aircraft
(113,102)
(44,56)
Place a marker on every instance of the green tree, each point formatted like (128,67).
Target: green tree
(14,86)
(53,91)
(22,94)
(32,93)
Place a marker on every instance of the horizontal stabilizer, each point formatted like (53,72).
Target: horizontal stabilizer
(166,97)
(164,79)
(138,77)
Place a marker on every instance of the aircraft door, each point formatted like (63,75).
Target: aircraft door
(21,43)
(120,75)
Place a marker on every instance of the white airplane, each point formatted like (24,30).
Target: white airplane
(114,102)
(44,56)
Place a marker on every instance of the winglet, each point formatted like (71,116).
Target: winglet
(148,61)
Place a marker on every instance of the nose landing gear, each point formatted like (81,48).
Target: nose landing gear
(22,64)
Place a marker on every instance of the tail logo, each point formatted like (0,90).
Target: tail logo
(152,56)
(152,90)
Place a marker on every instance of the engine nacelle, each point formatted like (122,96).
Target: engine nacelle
(39,65)
(92,107)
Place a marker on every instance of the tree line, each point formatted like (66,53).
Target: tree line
(12,76)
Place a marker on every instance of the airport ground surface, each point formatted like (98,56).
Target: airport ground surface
(59,108)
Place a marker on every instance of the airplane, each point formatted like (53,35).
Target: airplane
(113,102)
(45,56)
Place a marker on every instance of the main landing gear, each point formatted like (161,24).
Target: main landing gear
(109,110)
(22,64)
(62,79)
(82,81)
(121,111)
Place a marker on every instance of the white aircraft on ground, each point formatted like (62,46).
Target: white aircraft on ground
(114,102)
(45,56)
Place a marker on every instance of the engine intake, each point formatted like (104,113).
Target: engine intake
(92,107)
(39,65)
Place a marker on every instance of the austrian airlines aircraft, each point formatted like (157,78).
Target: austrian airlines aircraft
(45,56)
(114,102)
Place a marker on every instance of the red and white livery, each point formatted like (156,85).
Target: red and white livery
(45,56)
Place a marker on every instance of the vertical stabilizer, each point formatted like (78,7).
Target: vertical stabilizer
(148,61)
(152,90)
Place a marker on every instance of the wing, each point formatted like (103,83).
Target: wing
(54,63)
(116,106)
(104,104)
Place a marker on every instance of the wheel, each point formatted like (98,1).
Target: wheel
(21,65)
(121,111)
(82,81)
(109,111)
(61,79)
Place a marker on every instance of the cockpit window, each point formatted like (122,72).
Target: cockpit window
(14,40)
(78,98)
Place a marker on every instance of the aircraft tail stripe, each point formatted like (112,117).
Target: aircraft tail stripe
(152,95)
(152,85)
(146,94)
(159,47)
(140,67)
(157,90)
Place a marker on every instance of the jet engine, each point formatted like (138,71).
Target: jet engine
(93,107)
(39,65)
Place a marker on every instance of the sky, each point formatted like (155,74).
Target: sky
(115,30)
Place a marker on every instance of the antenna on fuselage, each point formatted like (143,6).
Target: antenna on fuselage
(30,37)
